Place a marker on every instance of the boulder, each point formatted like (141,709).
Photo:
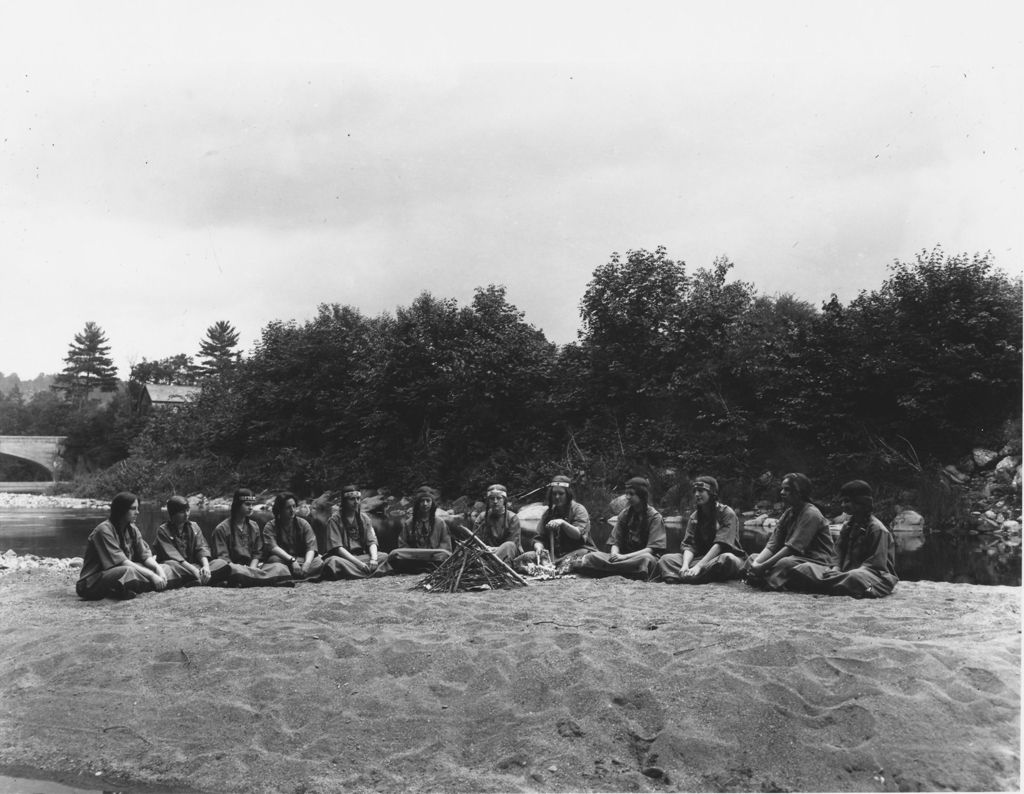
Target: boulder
(984,458)
(908,530)
(1006,469)
(1011,526)
(908,521)
(618,504)
(529,515)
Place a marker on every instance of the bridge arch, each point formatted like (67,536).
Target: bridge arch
(45,451)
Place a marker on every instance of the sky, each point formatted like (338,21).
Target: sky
(165,165)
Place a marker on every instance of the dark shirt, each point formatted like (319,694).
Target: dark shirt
(420,535)
(295,537)
(354,536)
(181,545)
(238,546)
(107,548)
(495,531)
(703,531)
(866,544)
(633,531)
(576,515)
(805,530)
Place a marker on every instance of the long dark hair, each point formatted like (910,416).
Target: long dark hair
(358,524)
(637,517)
(430,516)
(120,505)
(570,497)
(236,502)
(281,499)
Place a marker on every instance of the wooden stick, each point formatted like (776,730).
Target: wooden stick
(492,556)
(458,576)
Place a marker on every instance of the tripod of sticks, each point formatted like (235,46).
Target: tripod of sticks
(472,566)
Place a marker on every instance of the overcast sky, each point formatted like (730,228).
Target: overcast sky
(164,165)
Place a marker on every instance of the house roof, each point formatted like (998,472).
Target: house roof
(169,394)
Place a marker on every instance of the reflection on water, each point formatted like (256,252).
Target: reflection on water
(971,559)
(941,557)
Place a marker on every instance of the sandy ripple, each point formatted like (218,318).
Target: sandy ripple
(570,685)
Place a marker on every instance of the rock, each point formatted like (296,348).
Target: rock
(954,474)
(655,772)
(10,553)
(569,728)
(1007,468)
(75,562)
(1011,526)
(983,458)
(618,504)
(552,768)
(908,522)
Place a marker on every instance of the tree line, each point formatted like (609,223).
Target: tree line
(676,371)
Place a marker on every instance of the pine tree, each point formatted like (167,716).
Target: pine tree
(217,351)
(88,366)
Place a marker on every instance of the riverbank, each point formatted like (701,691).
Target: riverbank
(47,502)
(567,685)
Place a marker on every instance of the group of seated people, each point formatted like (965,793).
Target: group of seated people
(799,555)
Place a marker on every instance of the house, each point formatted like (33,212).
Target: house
(158,396)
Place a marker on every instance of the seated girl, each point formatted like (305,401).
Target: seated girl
(865,554)
(118,563)
(424,542)
(351,541)
(563,532)
(237,540)
(711,542)
(180,545)
(802,535)
(289,540)
(636,541)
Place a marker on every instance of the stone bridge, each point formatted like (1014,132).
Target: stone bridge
(46,451)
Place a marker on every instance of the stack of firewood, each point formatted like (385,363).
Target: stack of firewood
(471,566)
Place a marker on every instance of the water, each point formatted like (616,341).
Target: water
(975,559)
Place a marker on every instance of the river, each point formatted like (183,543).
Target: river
(941,557)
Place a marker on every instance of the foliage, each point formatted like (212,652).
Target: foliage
(88,366)
(675,372)
(217,352)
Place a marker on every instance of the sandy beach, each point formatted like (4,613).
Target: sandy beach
(567,685)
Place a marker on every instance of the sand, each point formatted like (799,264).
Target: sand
(566,685)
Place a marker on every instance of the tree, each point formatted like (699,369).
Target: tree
(88,366)
(936,352)
(177,370)
(217,352)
